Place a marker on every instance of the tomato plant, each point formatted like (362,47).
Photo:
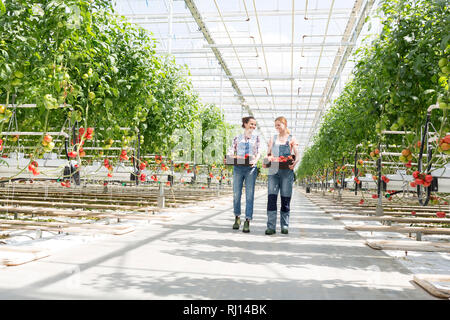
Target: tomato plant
(83,65)
(395,79)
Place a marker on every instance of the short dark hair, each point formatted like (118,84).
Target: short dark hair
(246,120)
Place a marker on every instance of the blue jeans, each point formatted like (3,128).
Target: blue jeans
(282,182)
(241,173)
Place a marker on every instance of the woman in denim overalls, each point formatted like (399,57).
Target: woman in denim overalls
(245,144)
(280,180)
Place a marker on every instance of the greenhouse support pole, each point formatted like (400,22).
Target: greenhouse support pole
(161,196)
(208,179)
(194,178)
(218,188)
(334,178)
(171,177)
(138,151)
(379,209)
(221,89)
(170,23)
(341,188)
(356,172)
(134,175)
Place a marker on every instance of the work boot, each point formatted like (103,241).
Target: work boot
(270,231)
(246,226)
(237,223)
(284,231)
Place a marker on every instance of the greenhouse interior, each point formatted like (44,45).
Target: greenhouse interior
(155,150)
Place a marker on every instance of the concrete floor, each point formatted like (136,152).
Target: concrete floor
(197,255)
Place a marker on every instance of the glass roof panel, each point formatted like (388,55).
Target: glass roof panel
(287,58)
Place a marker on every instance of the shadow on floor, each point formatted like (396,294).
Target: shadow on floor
(185,287)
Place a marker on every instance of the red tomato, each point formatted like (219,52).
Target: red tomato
(48,138)
(447,139)
(440,214)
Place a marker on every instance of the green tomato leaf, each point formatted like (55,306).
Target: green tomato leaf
(2,8)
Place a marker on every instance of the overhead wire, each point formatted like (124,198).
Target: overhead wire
(318,64)
(264,56)
(239,61)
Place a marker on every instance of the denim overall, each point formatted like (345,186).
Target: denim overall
(247,174)
(279,180)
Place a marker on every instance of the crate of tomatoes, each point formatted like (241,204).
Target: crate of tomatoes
(234,160)
(282,161)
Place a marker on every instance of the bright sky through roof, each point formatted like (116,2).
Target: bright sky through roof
(287,57)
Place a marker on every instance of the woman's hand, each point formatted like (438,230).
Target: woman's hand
(291,166)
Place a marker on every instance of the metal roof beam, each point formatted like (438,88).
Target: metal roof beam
(262,77)
(202,27)
(282,95)
(239,14)
(339,63)
(279,45)
(306,50)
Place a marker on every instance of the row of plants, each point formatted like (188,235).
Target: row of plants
(84,66)
(395,79)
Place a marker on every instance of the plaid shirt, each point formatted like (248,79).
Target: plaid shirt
(242,138)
